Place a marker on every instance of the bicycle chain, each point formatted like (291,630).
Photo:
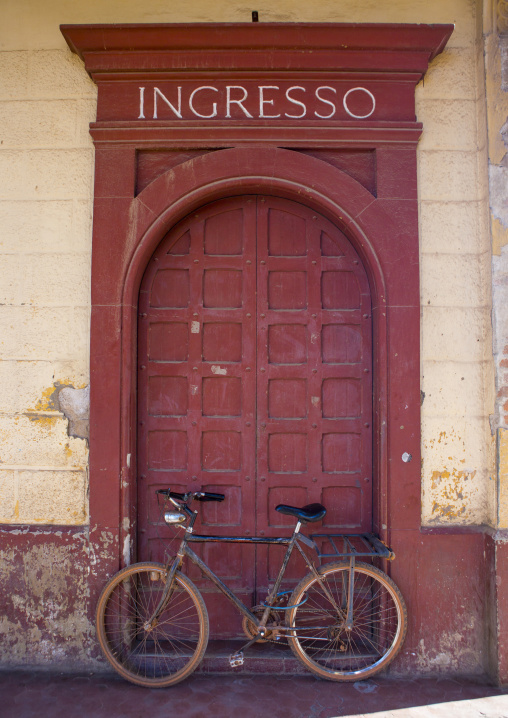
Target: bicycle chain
(283,640)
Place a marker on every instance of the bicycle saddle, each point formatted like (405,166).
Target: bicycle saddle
(311,512)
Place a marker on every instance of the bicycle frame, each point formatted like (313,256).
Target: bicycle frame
(291,542)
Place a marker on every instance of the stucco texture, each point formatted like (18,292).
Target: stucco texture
(46,202)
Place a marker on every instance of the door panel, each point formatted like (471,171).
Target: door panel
(255,381)
(196,388)
(314,385)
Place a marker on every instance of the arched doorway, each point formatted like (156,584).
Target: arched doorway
(254,379)
(361,174)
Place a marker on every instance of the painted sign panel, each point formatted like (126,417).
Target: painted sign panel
(272,99)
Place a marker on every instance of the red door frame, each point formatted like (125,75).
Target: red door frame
(389,251)
(382,224)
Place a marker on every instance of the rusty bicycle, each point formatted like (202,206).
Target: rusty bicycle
(345,620)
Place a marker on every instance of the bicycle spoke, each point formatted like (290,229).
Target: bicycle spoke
(322,638)
(165,651)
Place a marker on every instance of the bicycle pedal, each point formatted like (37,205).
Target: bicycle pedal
(236,659)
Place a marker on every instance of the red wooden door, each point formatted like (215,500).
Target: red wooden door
(254,380)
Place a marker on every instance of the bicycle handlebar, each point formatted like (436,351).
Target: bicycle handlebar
(198,495)
(208,496)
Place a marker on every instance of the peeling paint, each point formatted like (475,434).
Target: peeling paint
(47,402)
(456,477)
(62,398)
(448,652)
(451,498)
(127,550)
(49,582)
(499,236)
(457,491)
(75,404)
(44,420)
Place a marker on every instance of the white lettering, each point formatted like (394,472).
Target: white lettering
(296,102)
(359,89)
(230,102)
(214,105)
(234,102)
(178,112)
(263,102)
(327,102)
(141,115)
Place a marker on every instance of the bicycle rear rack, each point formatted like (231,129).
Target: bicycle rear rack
(353,546)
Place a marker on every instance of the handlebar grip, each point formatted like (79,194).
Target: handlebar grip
(173,494)
(199,495)
(208,496)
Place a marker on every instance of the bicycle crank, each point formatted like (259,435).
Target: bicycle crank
(250,629)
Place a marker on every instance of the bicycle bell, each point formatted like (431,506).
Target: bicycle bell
(174,517)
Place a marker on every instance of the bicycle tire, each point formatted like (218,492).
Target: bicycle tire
(323,643)
(168,652)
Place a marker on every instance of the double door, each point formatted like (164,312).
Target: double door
(254,380)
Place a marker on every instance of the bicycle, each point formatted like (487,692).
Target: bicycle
(344,621)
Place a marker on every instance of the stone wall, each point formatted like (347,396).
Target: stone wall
(496,53)
(46,162)
(46,190)
(457,446)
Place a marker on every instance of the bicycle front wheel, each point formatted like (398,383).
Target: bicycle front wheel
(152,656)
(323,639)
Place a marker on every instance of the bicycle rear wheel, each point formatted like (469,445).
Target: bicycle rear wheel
(321,639)
(153,657)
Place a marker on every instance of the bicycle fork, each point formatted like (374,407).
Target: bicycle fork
(170,578)
(166,594)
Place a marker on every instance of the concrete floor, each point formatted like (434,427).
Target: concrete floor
(26,694)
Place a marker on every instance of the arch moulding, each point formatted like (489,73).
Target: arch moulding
(189,186)
(388,250)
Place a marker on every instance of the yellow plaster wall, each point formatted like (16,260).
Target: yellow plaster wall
(503,478)
(496,45)
(458,484)
(46,171)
